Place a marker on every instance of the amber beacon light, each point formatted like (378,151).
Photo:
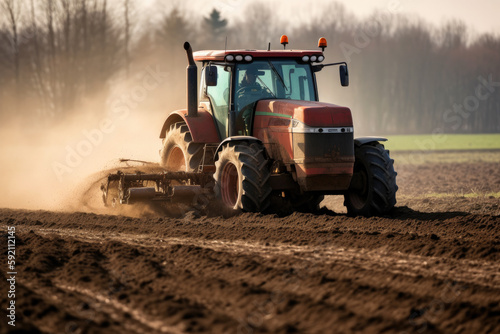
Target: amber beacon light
(322,43)
(284,41)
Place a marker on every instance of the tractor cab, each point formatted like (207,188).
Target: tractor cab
(232,82)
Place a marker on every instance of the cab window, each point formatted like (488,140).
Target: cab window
(219,99)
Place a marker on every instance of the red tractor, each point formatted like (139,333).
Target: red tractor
(259,136)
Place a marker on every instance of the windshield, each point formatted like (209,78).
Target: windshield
(277,79)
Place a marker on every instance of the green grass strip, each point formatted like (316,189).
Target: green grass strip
(443,142)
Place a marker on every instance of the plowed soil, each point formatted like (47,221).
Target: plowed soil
(431,266)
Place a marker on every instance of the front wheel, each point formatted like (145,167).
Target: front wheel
(373,186)
(242,177)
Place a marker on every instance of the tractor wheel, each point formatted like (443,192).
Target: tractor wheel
(373,186)
(242,177)
(179,153)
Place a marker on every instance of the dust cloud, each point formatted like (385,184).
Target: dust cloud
(51,167)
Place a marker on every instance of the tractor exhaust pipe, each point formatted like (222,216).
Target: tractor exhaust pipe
(192,82)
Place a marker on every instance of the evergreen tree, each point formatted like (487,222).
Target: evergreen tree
(215,27)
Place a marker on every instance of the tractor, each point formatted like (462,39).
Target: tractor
(259,139)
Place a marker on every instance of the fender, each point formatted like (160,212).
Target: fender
(367,140)
(202,127)
(237,139)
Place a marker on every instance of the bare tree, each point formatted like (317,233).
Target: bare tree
(126,15)
(12,10)
(263,27)
(174,29)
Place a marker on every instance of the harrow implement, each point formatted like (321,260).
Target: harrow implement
(140,187)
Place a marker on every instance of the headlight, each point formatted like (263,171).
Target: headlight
(321,58)
(229,58)
(313,58)
(239,58)
(305,58)
(248,58)
(299,127)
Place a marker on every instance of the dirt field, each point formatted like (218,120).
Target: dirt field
(432,266)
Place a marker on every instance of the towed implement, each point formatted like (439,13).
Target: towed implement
(259,139)
(161,187)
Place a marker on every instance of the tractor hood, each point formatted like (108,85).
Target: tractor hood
(310,113)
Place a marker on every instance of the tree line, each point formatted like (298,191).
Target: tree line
(60,57)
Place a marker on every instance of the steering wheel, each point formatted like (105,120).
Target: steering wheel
(253,91)
(248,89)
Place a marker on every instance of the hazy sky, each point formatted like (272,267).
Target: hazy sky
(480,15)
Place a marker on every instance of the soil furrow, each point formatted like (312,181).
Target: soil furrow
(475,272)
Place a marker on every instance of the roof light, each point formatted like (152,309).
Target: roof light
(248,58)
(229,58)
(313,58)
(322,43)
(305,58)
(284,41)
(239,58)
(321,58)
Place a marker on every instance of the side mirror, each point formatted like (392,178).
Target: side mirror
(344,75)
(211,76)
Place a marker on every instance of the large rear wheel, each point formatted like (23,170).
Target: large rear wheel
(373,186)
(179,153)
(242,177)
